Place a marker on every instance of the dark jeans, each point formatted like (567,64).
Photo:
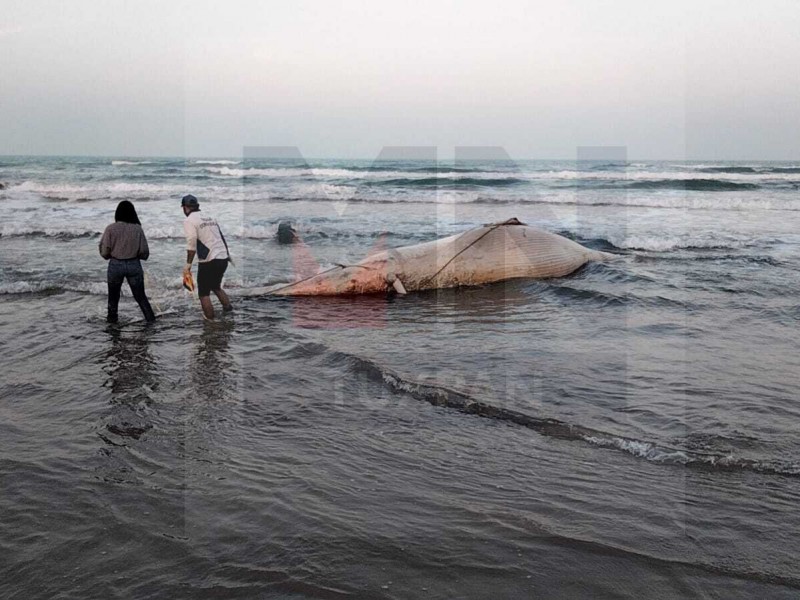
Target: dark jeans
(118,271)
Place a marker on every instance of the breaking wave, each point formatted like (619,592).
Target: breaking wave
(650,451)
(64,234)
(100,191)
(694,185)
(446,182)
(51,287)
(750,170)
(668,243)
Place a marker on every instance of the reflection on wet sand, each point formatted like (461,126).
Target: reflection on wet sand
(130,366)
(212,364)
(340,312)
(133,380)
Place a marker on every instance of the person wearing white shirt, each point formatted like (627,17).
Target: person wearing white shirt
(204,238)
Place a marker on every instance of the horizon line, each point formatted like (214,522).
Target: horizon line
(224,157)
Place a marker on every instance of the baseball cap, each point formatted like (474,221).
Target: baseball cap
(190,201)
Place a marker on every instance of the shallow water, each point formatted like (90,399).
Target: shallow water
(627,431)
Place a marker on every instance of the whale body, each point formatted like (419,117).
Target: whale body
(489,253)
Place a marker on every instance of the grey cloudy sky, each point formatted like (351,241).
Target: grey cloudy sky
(706,79)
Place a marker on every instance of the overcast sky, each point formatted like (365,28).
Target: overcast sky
(700,79)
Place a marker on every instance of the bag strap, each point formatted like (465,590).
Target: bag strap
(224,242)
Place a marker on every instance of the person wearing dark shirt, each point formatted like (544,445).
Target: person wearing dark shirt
(124,245)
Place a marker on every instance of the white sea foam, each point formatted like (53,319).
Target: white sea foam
(325,190)
(255,232)
(289,173)
(35,287)
(756,167)
(668,243)
(559,175)
(216,162)
(330,173)
(115,191)
(726,202)
(123,163)
(97,190)
(659,454)
(164,233)
(645,450)
(25,287)
(22,231)
(569,175)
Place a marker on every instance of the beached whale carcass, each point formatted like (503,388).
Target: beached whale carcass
(485,254)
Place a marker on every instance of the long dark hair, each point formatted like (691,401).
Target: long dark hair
(126,213)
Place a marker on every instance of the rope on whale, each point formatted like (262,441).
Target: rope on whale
(511,221)
(337,266)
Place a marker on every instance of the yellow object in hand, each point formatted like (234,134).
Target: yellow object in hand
(188,282)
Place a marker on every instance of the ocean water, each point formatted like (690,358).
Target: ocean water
(629,431)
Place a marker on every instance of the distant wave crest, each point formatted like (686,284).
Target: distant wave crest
(450,182)
(750,170)
(696,185)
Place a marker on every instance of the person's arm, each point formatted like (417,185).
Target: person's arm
(144,249)
(105,245)
(191,243)
(187,268)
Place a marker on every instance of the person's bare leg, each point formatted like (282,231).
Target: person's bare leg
(208,308)
(223,298)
